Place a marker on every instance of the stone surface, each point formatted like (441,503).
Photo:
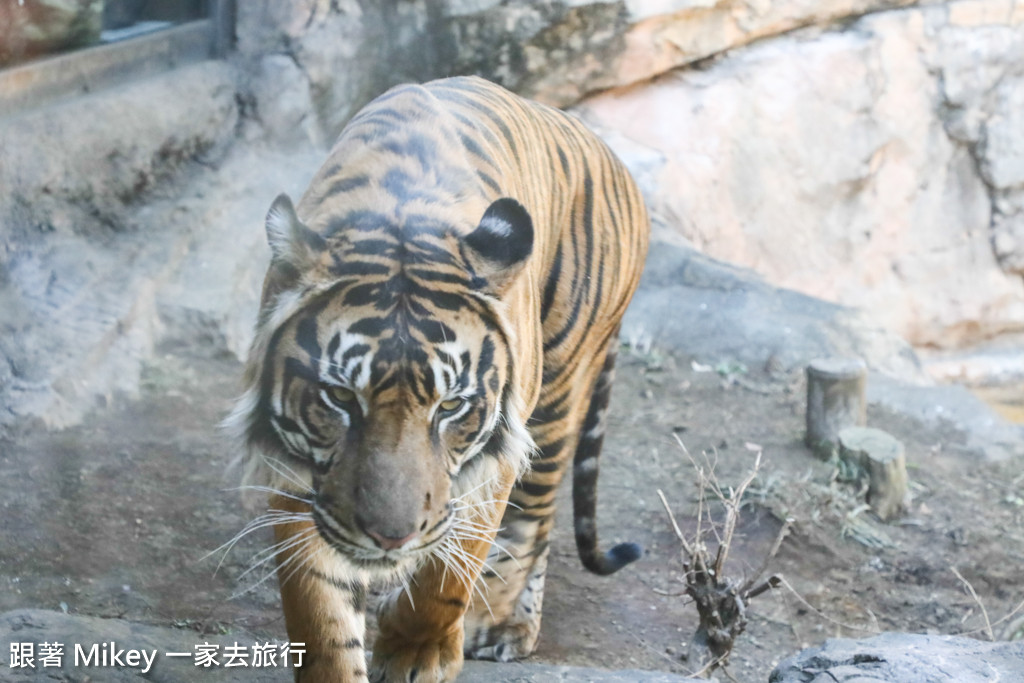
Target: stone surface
(985,434)
(40,626)
(560,52)
(555,52)
(719,313)
(283,102)
(879,167)
(212,296)
(81,257)
(906,658)
(342,53)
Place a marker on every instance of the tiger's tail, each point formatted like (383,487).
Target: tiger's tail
(584,480)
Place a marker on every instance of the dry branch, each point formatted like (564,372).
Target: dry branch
(984,612)
(721,601)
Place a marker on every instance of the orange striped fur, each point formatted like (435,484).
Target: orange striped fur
(436,339)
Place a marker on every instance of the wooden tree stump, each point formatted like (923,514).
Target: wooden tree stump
(881,457)
(835,400)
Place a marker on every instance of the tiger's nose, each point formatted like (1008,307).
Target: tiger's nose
(390,542)
(387,536)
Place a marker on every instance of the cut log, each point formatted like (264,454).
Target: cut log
(835,401)
(881,457)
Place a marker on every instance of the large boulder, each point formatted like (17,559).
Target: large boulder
(881,166)
(722,314)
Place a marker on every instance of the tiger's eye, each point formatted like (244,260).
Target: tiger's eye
(452,404)
(340,394)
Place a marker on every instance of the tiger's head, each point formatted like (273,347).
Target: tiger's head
(381,385)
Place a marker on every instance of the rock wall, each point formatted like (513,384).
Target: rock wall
(558,52)
(333,57)
(880,165)
(82,252)
(854,149)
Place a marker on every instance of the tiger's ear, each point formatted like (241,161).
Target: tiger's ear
(294,248)
(291,242)
(497,250)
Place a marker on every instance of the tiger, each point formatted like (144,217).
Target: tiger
(435,344)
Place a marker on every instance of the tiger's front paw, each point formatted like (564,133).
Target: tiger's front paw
(332,670)
(396,660)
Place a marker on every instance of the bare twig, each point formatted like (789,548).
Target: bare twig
(675,525)
(783,532)
(822,615)
(732,516)
(771,582)
(984,613)
(710,666)
(1007,617)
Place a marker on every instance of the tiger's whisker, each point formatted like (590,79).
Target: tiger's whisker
(270,518)
(273,491)
(288,474)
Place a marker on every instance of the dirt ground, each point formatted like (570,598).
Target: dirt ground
(113,518)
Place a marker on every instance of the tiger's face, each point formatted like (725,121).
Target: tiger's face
(385,398)
(386,415)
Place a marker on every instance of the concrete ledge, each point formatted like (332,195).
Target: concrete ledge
(84,71)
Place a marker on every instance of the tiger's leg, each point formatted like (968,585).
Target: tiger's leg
(519,557)
(421,627)
(324,602)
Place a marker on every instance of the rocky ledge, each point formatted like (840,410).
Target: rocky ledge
(904,657)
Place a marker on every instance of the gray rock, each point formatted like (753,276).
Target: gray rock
(881,167)
(81,258)
(211,299)
(42,626)
(557,52)
(560,51)
(986,434)
(904,658)
(717,312)
(283,101)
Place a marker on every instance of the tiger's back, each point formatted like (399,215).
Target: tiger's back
(389,240)
(466,142)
